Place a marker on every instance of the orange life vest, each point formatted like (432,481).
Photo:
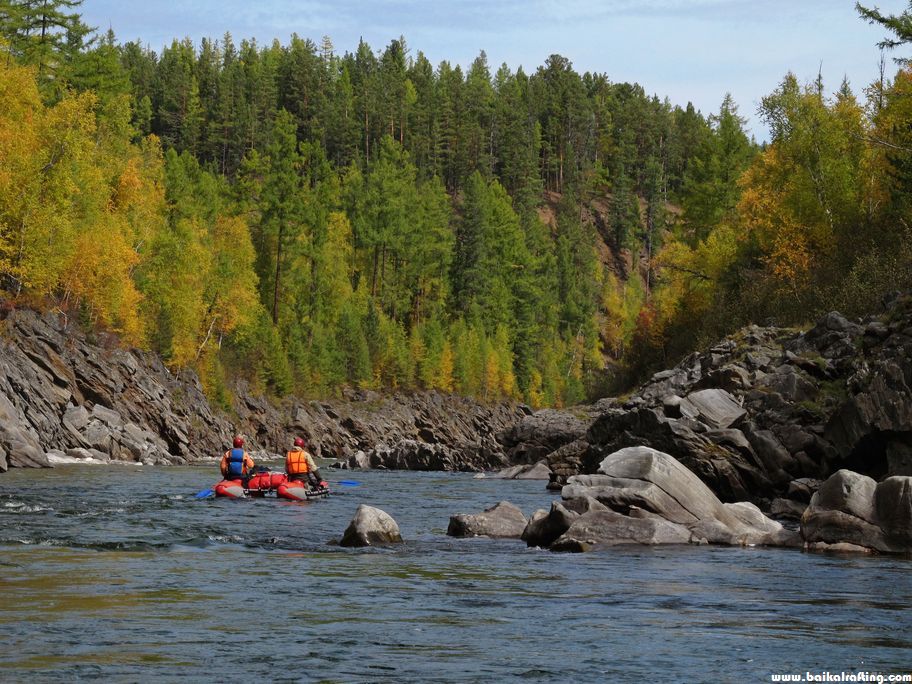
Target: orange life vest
(296,462)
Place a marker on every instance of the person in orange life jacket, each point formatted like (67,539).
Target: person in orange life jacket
(236,463)
(299,465)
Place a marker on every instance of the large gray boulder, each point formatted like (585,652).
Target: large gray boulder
(853,510)
(107,416)
(501,520)
(680,496)
(371,527)
(893,507)
(654,499)
(622,493)
(753,529)
(76,417)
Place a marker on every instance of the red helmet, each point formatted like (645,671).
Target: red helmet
(238,441)
(299,441)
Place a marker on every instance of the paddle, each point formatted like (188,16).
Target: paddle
(348,483)
(206,493)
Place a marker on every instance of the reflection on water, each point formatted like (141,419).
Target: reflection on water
(120,574)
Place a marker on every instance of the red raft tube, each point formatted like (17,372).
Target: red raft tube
(263,484)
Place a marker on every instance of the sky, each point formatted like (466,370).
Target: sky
(687,50)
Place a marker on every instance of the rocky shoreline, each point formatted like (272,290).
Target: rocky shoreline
(66,397)
(813,427)
(764,416)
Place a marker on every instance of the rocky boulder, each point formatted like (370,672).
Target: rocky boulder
(852,509)
(608,528)
(654,499)
(545,527)
(371,527)
(535,471)
(501,520)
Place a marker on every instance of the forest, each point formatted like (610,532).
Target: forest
(311,220)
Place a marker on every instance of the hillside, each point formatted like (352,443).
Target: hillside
(314,222)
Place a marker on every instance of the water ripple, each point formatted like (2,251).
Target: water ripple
(120,574)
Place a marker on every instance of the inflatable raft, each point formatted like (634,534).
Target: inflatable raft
(266,483)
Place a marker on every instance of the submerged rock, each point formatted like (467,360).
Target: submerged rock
(608,528)
(371,527)
(536,471)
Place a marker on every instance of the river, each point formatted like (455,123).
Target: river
(117,573)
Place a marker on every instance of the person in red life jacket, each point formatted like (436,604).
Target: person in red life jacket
(299,465)
(236,463)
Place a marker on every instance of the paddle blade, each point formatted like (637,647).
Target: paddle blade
(348,483)
(205,494)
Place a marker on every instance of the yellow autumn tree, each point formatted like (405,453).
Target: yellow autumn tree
(230,296)
(613,315)
(46,179)
(21,158)
(70,186)
(126,182)
(334,264)
(444,377)
(803,198)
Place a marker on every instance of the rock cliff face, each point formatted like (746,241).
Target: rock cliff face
(64,398)
(422,431)
(763,416)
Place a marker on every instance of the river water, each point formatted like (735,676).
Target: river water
(119,574)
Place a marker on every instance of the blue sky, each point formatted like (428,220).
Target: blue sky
(688,50)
